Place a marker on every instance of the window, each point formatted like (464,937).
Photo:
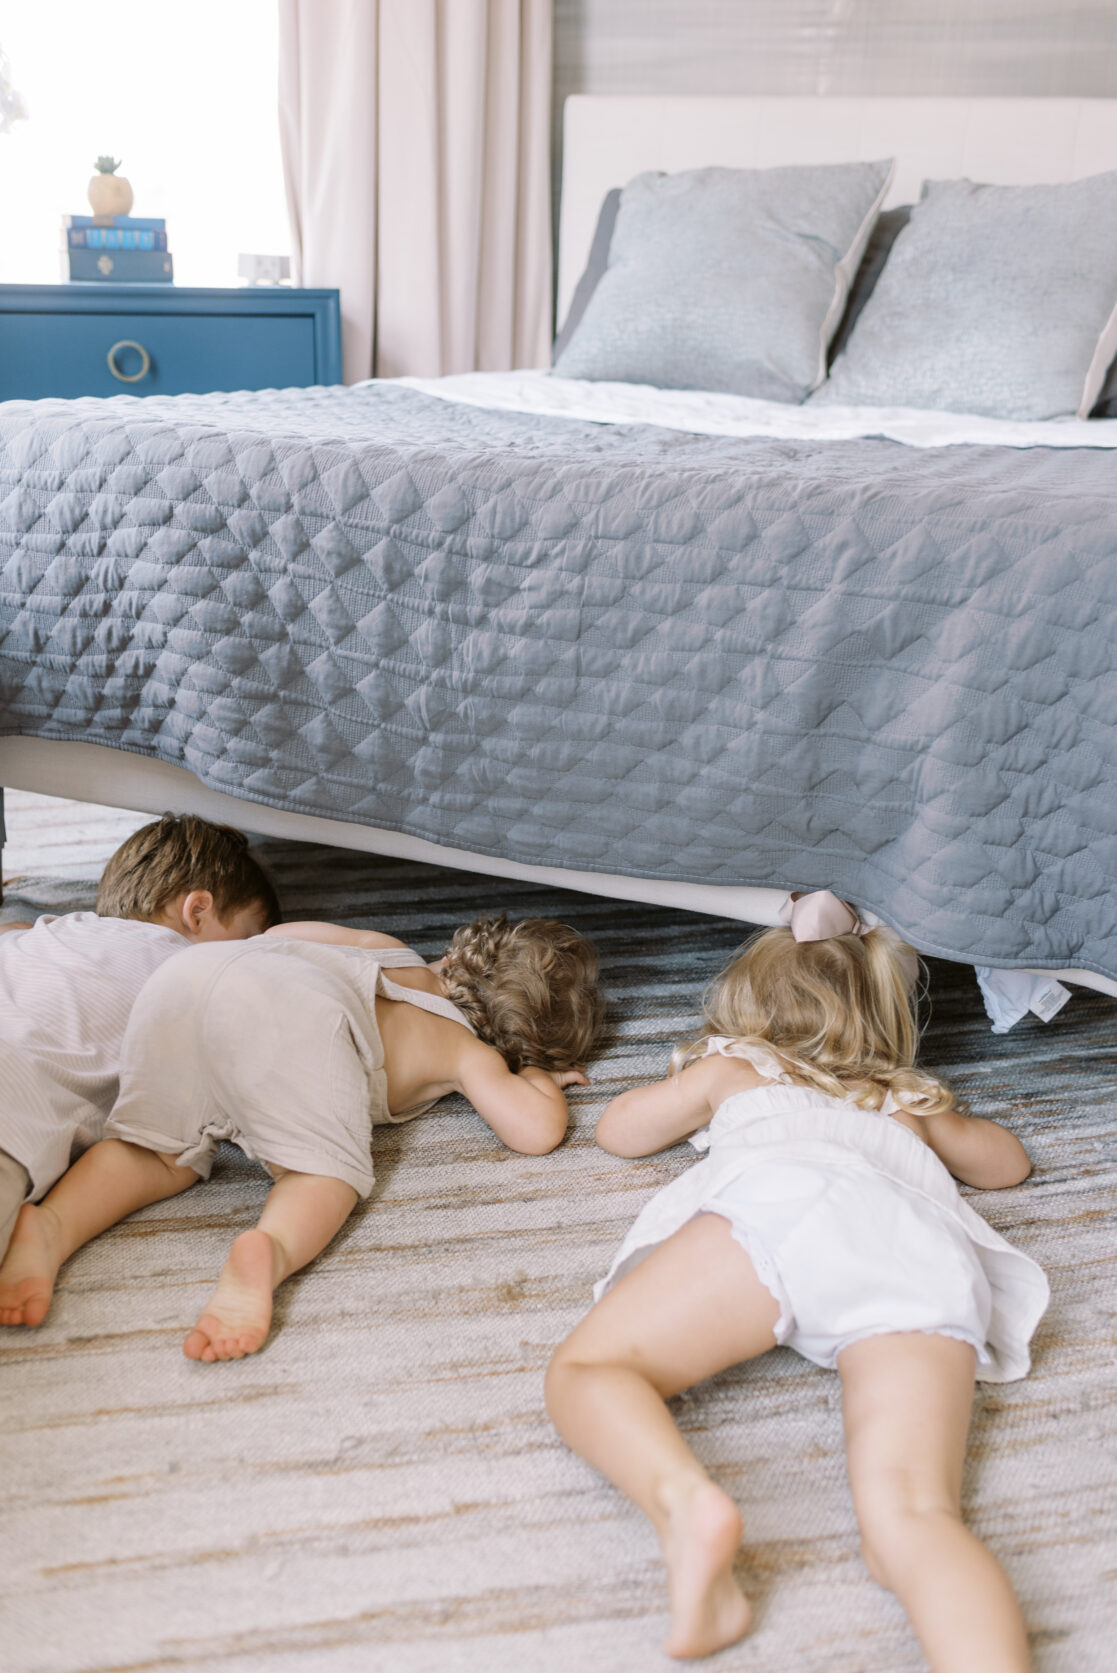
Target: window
(185,95)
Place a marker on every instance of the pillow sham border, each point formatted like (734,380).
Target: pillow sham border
(845,271)
(1105,351)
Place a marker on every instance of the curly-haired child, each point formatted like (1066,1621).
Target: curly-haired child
(293,1046)
(824,1217)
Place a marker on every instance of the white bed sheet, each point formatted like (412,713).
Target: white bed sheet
(703,413)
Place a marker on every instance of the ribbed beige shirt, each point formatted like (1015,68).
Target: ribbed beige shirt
(67,986)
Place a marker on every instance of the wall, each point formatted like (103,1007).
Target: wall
(1036,47)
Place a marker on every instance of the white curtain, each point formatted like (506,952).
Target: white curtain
(416,151)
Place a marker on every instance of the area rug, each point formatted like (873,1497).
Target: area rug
(379,1490)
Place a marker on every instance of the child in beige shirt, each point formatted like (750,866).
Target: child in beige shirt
(293,1046)
(67,985)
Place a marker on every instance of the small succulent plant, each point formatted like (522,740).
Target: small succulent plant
(107,165)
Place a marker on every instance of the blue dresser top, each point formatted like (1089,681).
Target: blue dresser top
(54,339)
(200,297)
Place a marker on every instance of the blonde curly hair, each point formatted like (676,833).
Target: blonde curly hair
(840,1014)
(530,989)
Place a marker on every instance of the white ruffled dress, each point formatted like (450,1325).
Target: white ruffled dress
(852,1223)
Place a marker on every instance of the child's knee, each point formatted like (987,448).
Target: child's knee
(873,1558)
(883,1540)
(894,1527)
(566,1363)
(557,1374)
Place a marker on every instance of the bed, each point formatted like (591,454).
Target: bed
(652,649)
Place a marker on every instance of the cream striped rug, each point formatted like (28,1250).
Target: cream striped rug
(380,1491)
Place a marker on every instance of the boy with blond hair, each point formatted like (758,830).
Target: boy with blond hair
(67,985)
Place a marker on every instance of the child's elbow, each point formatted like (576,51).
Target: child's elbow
(541,1139)
(609,1134)
(1010,1166)
(1018,1169)
(544,1146)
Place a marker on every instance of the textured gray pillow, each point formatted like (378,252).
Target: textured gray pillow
(888,228)
(596,263)
(728,279)
(1000,300)
(1106,406)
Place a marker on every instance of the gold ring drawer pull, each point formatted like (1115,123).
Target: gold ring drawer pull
(129,377)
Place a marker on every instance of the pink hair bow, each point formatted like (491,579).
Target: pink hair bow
(818,916)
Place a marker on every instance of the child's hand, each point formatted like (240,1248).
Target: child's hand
(568,1077)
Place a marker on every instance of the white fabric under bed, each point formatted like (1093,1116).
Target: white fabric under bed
(708,414)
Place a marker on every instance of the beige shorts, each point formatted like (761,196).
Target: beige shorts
(247,1042)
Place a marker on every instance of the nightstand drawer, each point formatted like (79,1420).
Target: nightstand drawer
(67,354)
(57,340)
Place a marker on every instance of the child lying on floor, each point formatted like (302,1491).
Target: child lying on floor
(824,1217)
(67,985)
(292,1047)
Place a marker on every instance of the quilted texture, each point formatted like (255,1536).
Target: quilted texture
(883,670)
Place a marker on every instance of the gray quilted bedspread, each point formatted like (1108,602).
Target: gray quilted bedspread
(620,649)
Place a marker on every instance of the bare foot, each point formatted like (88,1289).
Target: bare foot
(708,1608)
(238,1317)
(29,1268)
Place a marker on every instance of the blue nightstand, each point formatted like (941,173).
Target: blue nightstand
(105,339)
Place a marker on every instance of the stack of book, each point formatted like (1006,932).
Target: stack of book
(127,249)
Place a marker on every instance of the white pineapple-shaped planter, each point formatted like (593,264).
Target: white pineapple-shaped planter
(109,193)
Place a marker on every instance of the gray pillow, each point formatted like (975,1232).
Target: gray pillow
(888,228)
(999,300)
(728,279)
(1106,406)
(596,264)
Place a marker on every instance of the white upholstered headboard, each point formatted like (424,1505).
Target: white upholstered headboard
(1013,142)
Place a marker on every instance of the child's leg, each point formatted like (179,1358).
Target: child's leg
(15,1182)
(110,1181)
(906,1402)
(694,1306)
(302,1213)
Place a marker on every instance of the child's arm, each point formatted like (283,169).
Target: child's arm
(978,1152)
(650,1118)
(527,1111)
(335,935)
